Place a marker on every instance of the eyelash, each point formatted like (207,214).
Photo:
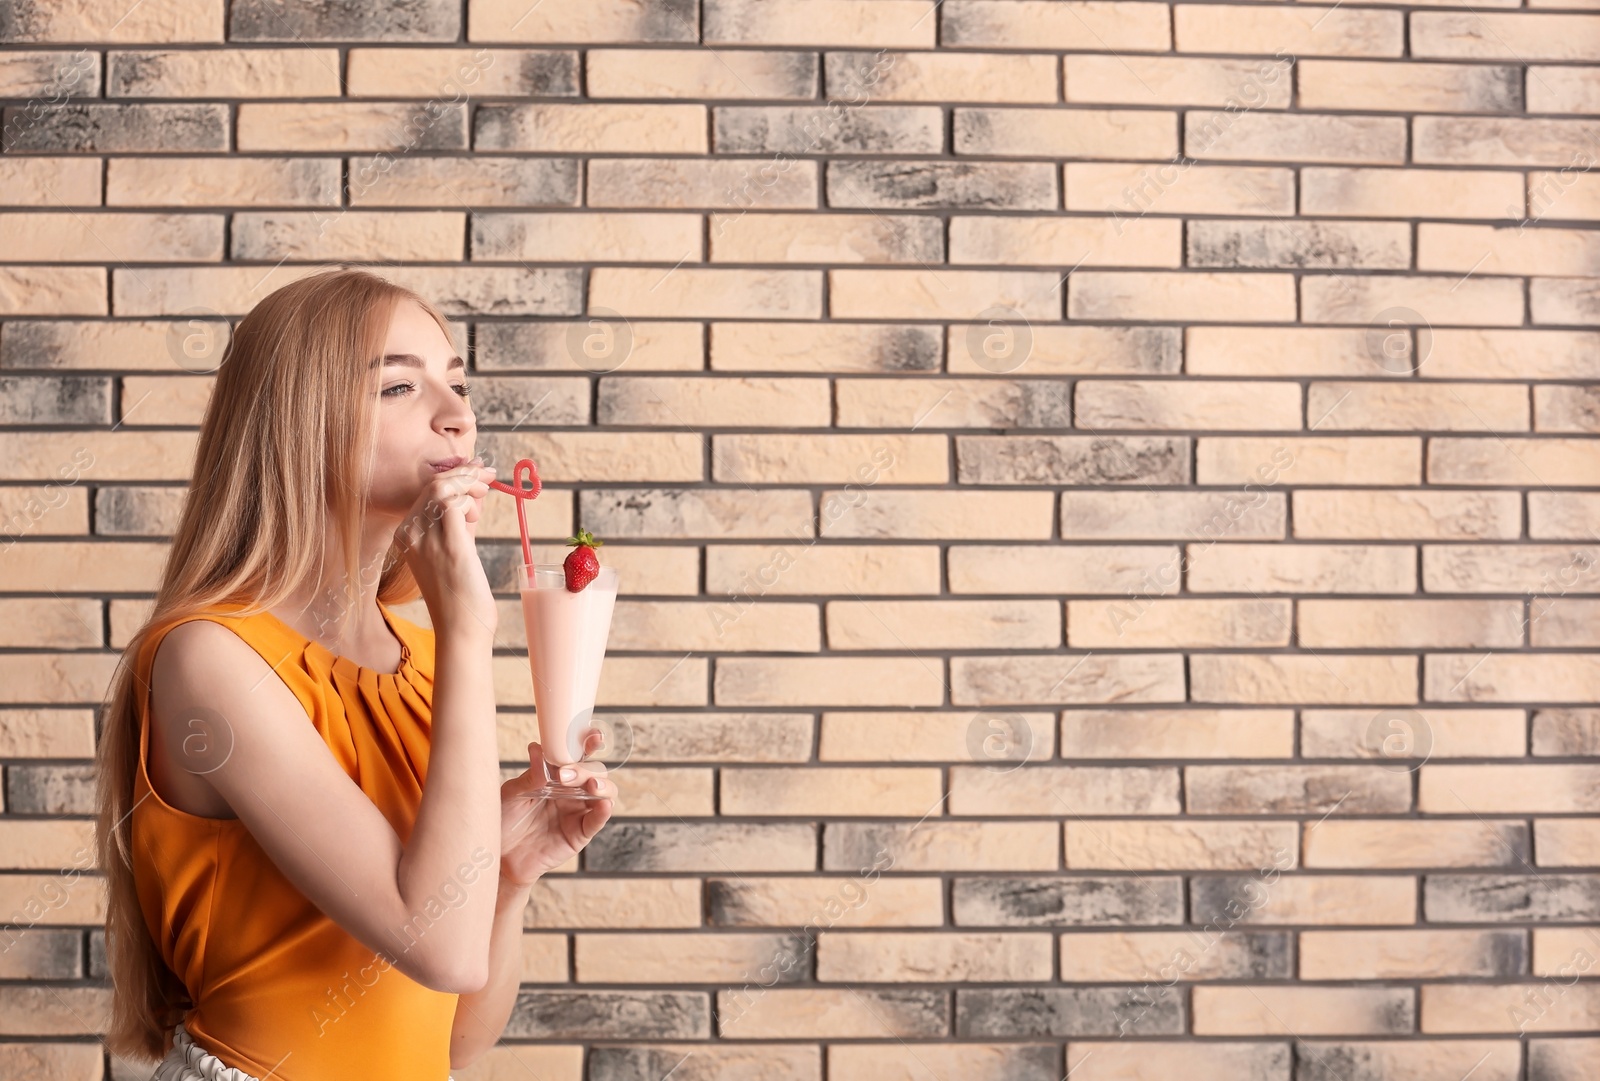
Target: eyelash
(464,389)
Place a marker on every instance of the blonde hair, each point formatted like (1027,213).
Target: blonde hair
(285,455)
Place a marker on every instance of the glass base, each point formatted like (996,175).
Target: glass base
(563,791)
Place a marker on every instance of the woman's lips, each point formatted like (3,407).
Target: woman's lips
(446,463)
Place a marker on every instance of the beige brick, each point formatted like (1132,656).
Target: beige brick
(1209,296)
(1070,790)
(1159,515)
(346,126)
(939,515)
(1343,514)
(844,681)
(222,182)
(1025,679)
(1543,677)
(1303,1011)
(1566,409)
(86,20)
(1392,87)
(592,128)
(1309,460)
(933,845)
(1285,351)
(1532,461)
(1520,37)
(1397,845)
(1210,1060)
(1177,733)
(941,77)
(299,72)
(584,237)
(657,791)
(1406,193)
(1431,733)
(1298,31)
(1489,249)
(50,182)
(576,21)
(544,959)
(481,180)
(1053,569)
(54,75)
(946,956)
(993,240)
(825,238)
(1528,1008)
(54,1011)
(1564,622)
(1427,406)
(1566,733)
(937,625)
(1106,403)
(1567,842)
(699,73)
(906,1062)
(950,403)
(1171,80)
(52,290)
(51,1060)
(1001,737)
(862,460)
(1186,846)
(1312,568)
(626,681)
(670,183)
(707,293)
(1144,623)
(583,901)
(1560,90)
(724,401)
(1161,957)
(1509,354)
(824,347)
(1561,951)
(1552,569)
(828,790)
(1045,24)
(46,844)
(1440,140)
(1576,194)
(944,294)
(1295,789)
(1399,955)
(1509,789)
(887,23)
(1300,137)
(455,73)
(45,733)
(604,456)
(1409,624)
(1420,1060)
(1061,133)
(1177,187)
(828,1013)
(1438,299)
(722,957)
(598,345)
(816,901)
(71,895)
(1285,679)
(350,235)
(757,570)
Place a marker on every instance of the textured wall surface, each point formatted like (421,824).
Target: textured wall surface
(1105,493)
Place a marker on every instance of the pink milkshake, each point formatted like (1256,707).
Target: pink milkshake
(567,634)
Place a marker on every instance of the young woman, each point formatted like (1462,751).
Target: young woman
(313,868)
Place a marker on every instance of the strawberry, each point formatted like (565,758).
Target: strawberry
(582,564)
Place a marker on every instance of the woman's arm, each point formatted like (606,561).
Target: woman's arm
(481,1015)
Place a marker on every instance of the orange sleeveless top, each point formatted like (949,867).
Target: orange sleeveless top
(279,987)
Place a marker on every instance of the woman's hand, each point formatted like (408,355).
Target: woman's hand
(538,834)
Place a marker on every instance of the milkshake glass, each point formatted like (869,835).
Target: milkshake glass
(566,646)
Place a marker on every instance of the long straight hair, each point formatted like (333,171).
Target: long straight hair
(285,455)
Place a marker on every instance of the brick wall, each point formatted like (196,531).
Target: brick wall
(1105,493)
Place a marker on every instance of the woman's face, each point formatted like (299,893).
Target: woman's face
(423,412)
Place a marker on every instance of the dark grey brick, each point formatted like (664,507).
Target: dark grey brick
(38,953)
(1068,1011)
(1067,901)
(1072,459)
(702,846)
(153,128)
(611,1015)
(707,1062)
(138,512)
(1296,790)
(50,790)
(958,185)
(805,129)
(1562,1060)
(1555,898)
(345,20)
(1309,244)
(55,399)
(98,969)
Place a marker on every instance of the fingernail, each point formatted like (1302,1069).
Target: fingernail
(568,773)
